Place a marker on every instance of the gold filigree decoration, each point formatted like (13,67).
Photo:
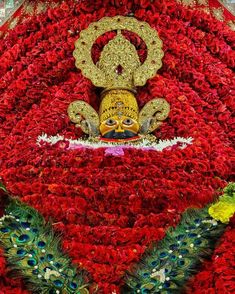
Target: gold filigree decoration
(205,9)
(118,67)
(218,13)
(104,79)
(28,8)
(84,116)
(187,2)
(203,2)
(42,6)
(231,24)
(152,115)
(14,23)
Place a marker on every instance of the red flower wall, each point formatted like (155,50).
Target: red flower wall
(109,209)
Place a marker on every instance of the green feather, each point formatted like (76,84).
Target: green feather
(33,252)
(170,263)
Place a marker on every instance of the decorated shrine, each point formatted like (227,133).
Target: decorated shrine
(117,147)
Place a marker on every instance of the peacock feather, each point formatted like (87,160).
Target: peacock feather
(33,252)
(168,265)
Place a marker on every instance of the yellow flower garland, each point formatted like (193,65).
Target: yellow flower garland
(224,209)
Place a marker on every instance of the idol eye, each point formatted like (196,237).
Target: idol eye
(128,121)
(110,122)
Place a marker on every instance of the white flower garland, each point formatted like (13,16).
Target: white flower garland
(112,148)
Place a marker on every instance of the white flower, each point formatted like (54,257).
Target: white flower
(143,144)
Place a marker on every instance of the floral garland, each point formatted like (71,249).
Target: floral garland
(106,206)
(112,148)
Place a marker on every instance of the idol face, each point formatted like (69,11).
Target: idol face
(119,115)
(119,127)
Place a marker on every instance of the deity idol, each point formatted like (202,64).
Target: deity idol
(119,71)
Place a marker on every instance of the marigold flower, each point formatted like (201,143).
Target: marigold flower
(222,211)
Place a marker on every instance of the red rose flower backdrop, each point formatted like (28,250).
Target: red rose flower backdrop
(108,208)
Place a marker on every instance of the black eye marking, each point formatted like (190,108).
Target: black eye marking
(110,122)
(128,121)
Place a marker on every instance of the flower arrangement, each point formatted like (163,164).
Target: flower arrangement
(109,209)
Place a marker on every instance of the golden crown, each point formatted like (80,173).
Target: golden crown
(118,102)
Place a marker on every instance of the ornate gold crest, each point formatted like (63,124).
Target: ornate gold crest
(118,71)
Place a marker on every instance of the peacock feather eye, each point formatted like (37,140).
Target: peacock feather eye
(23,238)
(181,262)
(58,265)
(173,257)
(32,262)
(21,252)
(163,254)
(41,244)
(73,285)
(5,230)
(154,263)
(197,242)
(58,283)
(184,251)
(145,275)
(167,284)
(50,257)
